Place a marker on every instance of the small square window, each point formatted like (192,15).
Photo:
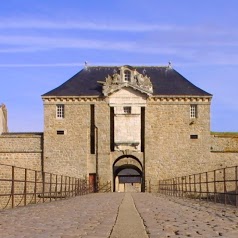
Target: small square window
(127,110)
(193,111)
(60,111)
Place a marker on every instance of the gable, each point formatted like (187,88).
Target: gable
(127,96)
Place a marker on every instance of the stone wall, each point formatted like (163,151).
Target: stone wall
(102,121)
(169,150)
(224,150)
(22,150)
(67,153)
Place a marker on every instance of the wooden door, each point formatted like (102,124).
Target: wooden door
(92,182)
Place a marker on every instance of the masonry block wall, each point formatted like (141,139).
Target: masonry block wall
(22,150)
(102,121)
(169,150)
(66,140)
(224,150)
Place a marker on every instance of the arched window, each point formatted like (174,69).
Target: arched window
(127,75)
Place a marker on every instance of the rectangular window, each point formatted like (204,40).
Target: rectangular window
(193,111)
(60,132)
(60,111)
(127,110)
(193,136)
(127,76)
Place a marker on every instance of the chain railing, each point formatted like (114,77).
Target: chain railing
(21,186)
(218,186)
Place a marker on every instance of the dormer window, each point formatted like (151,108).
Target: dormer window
(127,76)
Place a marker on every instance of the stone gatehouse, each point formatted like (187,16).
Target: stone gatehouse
(131,125)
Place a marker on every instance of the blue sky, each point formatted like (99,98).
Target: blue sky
(44,43)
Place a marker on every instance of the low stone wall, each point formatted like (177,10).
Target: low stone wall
(224,142)
(23,150)
(224,150)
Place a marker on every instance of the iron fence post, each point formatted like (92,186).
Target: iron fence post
(43,186)
(13,184)
(200,186)
(50,185)
(236,179)
(35,189)
(25,188)
(224,177)
(215,189)
(207,185)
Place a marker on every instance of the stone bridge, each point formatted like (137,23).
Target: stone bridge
(122,215)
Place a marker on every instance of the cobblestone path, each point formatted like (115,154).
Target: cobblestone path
(129,222)
(169,217)
(96,216)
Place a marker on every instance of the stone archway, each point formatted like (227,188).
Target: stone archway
(127,174)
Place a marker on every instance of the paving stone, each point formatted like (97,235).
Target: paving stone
(95,216)
(185,218)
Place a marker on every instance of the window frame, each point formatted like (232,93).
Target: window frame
(193,111)
(127,110)
(127,75)
(60,111)
(60,132)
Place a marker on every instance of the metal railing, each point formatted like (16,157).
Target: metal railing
(218,186)
(105,188)
(21,186)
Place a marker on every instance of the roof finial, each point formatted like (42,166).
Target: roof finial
(86,65)
(170,65)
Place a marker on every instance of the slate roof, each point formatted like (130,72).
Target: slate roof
(165,80)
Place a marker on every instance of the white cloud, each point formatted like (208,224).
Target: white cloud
(96,26)
(40,65)
(34,43)
(43,24)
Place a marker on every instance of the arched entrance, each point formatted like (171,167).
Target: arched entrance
(127,174)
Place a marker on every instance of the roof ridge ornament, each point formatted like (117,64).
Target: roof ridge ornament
(85,65)
(170,65)
(116,81)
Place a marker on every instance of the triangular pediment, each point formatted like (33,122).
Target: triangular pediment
(127,96)
(126,77)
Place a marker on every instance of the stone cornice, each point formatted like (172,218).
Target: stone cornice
(162,98)
(72,99)
(179,98)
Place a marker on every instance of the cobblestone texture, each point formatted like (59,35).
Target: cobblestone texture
(89,216)
(166,217)
(94,216)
